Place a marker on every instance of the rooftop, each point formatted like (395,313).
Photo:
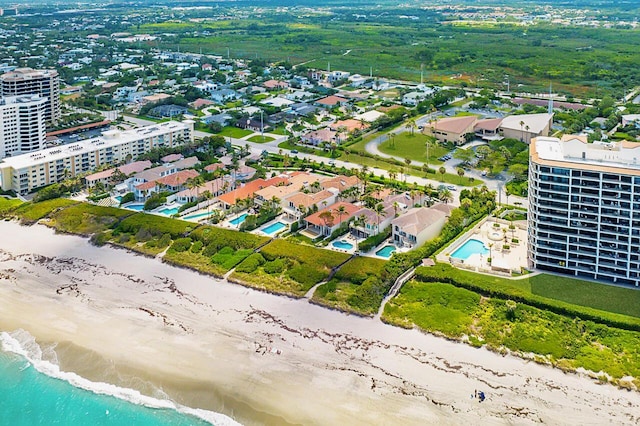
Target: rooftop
(575,151)
(108,139)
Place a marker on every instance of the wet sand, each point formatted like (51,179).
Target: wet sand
(263,359)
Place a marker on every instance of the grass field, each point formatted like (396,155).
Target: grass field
(609,298)
(235,132)
(406,145)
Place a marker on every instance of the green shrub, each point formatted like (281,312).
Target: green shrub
(216,238)
(127,198)
(358,269)
(164,241)
(374,240)
(196,247)
(275,266)
(156,225)
(251,263)
(305,275)
(181,244)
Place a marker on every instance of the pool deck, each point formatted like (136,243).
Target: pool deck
(349,239)
(495,234)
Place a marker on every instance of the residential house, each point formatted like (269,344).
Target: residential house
(224,95)
(105,177)
(201,103)
(371,223)
(143,184)
(349,125)
(298,204)
(275,84)
(214,187)
(176,181)
(288,184)
(419,225)
(222,119)
(213,167)
(319,137)
(331,101)
(168,111)
(326,221)
(413,98)
(231,198)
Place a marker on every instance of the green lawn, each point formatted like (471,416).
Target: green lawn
(610,298)
(7,204)
(260,139)
(235,132)
(406,145)
(305,149)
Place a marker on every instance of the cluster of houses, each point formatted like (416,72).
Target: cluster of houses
(320,204)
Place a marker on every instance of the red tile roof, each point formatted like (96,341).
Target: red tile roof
(177,179)
(331,100)
(349,208)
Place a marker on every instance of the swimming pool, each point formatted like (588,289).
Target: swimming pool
(136,207)
(238,220)
(169,211)
(197,216)
(385,251)
(273,228)
(118,198)
(342,244)
(470,247)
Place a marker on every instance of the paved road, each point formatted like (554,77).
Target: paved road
(273,148)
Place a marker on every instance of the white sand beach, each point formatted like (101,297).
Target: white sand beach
(263,359)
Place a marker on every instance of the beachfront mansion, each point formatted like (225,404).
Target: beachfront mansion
(584,208)
(26,172)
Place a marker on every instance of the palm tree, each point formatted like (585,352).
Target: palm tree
(392,174)
(460,172)
(407,161)
(412,125)
(379,210)
(341,211)
(521,130)
(442,171)
(507,193)
(445,195)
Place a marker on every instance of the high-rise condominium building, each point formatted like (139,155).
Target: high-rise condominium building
(22,126)
(584,208)
(27,81)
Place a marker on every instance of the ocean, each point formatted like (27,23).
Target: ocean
(33,391)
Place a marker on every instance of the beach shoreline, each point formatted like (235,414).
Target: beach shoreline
(259,358)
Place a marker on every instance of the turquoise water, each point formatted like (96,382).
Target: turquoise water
(238,220)
(470,247)
(34,391)
(342,245)
(273,228)
(385,251)
(169,212)
(136,207)
(197,216)
(118,197)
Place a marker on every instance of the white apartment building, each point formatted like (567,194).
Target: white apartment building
(26,172)
(22,126)
(584,208)
(27,81)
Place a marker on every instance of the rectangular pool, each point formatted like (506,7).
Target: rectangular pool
(273,228)
(197,216)
(238,220)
